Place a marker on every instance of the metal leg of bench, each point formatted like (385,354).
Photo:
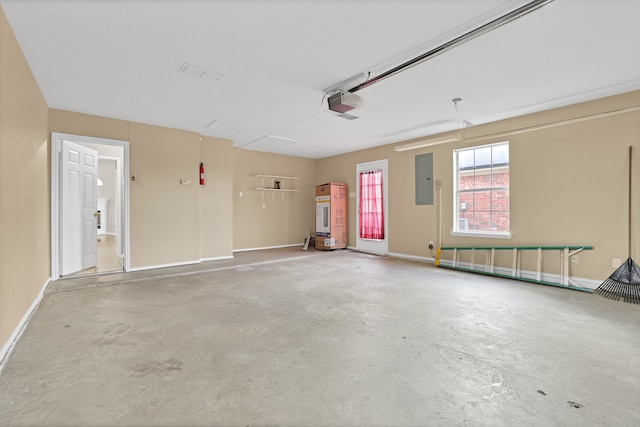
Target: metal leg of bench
(564,271)
(473,255)
(567,258)
(493,259)
(486,262)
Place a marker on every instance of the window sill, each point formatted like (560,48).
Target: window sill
(483,234)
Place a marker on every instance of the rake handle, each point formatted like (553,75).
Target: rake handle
(629,224)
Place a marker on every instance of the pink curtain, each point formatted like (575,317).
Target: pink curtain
(371,205)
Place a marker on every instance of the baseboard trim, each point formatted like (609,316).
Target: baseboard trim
(525,274)
(175,264)
(267,247)
(8,346)
(412,257)
(528,275)
(218,258)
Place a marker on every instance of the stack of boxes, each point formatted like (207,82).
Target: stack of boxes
(331,216)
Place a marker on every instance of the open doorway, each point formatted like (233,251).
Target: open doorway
(89,205)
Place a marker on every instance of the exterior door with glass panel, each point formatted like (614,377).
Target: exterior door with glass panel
(372,201)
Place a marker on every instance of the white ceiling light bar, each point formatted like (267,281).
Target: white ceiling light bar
(282,138)
(477,32)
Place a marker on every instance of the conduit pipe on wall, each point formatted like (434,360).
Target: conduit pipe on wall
(438,141)
(553,124)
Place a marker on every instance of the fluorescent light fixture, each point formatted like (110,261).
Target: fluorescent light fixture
(426,143)
(283,138)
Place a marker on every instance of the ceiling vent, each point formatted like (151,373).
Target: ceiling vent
(221,125)
(198,72)
(341,102)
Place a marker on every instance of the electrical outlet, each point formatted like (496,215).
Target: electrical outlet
(431,244)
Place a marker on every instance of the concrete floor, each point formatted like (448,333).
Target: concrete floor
(287,337)
(107,258)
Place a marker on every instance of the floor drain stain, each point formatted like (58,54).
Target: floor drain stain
(542,392)
(574,404)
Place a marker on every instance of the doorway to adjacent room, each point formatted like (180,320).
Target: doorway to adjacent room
(89,205)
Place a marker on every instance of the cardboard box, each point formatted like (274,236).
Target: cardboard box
(332,216)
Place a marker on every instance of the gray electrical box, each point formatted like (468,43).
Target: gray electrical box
(424,179)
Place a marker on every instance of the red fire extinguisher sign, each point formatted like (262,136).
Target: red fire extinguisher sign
(201,173)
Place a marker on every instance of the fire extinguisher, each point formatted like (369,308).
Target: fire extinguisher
(201,173)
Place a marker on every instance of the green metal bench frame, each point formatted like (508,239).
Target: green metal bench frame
(566,252)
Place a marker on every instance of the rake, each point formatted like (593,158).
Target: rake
(625,281)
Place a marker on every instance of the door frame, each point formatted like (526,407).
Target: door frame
(56,144)
(383,244)
(119,196)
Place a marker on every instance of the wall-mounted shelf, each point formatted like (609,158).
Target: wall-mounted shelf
(275,187)
(277,176)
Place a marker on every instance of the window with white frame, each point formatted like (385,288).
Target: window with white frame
(481,190)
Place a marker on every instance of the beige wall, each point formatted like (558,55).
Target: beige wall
(216,213)
(165,215)
(568,186)
(174,223)
(168,219)
(24,185)
(283,220)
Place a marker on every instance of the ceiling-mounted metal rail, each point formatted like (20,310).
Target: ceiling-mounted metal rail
(483,29)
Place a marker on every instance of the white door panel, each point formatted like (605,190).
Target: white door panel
(79,172)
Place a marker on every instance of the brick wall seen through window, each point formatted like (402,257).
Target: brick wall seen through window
(482,189)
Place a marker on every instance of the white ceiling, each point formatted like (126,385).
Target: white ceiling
(120,59)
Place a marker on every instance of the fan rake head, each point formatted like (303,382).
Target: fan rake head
(623,283)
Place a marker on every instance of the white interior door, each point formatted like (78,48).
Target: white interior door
(374,246)
(79,173)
